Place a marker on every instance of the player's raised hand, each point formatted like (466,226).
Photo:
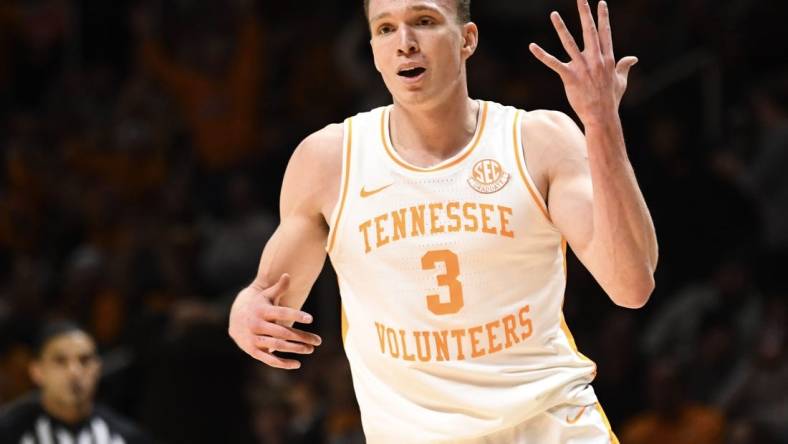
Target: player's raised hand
(593,80)
(261,327)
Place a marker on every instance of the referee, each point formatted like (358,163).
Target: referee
(66,369)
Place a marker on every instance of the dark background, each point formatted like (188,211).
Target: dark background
(142,145)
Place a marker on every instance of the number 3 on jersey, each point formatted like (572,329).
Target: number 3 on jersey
(448,279)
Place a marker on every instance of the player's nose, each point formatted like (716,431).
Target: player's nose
(407,41)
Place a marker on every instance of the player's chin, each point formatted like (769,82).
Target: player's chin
(413,95)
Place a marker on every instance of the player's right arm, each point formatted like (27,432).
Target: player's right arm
(263,313)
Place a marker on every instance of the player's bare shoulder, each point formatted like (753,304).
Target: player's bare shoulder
(551,139)
(551,130)
(314,171)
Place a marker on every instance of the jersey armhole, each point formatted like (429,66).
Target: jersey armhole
(525,176)
(336,214)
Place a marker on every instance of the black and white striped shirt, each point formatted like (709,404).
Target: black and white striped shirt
(26,422)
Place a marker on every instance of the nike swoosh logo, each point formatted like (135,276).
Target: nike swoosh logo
(365,193)
(577,417)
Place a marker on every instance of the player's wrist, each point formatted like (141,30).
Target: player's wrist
(606,118)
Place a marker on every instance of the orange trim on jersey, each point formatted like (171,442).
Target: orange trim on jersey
(613,438)
(563,251)
(521,166)
(572,344)
(407,166)
(346,179)
(344,322)
(577,417)
(568,334)
(564,326)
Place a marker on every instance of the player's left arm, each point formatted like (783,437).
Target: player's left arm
(596,203)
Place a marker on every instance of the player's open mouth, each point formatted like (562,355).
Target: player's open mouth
(411,73)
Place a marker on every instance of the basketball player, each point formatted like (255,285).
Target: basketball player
(446,220)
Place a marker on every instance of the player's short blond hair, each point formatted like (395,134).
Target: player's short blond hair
(463,10)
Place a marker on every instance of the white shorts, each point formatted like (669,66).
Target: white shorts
(564,424)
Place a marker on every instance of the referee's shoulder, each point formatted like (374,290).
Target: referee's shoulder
(20,409)
(130,431)
(16,416)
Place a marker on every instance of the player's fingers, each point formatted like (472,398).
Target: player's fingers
(273,360)
(294,334)
(605,33)
(546,58)
(286,333)
(625,64)
(590,35)
(271,345)
(566,37)
(284,314)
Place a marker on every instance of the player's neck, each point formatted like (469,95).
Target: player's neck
(425,136)
(64,413)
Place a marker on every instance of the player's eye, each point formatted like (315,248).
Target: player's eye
(426,21)
(384,29)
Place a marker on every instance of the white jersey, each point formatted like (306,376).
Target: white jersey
(452,280)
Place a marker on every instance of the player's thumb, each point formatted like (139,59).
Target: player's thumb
(624,65)
(276,291)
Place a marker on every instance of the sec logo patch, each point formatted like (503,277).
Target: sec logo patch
(487,176)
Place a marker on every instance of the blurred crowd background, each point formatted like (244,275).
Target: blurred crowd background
(142,145)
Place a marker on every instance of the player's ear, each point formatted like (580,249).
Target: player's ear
(470,39)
